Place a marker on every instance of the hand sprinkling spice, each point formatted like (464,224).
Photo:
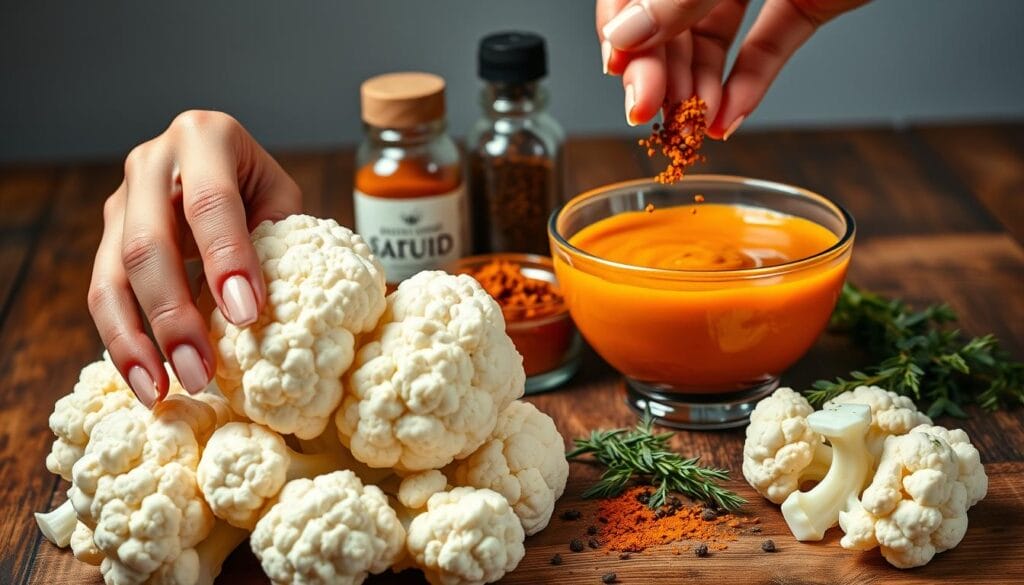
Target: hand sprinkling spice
(679,138)
(638,453)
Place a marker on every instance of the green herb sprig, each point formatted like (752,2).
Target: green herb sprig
(638,453)
(922,357)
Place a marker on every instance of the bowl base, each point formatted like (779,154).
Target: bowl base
(698,412)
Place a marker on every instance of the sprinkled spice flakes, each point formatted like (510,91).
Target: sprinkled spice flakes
(679,138)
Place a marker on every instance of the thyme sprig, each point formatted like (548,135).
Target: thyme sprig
(919,355)
(639,453)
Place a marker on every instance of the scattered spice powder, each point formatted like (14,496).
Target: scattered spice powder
(633,527)
(679,138)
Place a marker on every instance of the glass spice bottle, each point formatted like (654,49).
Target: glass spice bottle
(515,148)
(409,199)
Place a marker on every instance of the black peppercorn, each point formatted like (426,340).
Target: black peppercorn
(591,530)
(768,546)
(557,559)
(609,578)
(576,545)
(625,556)
(570,515)
(708,515)
(593,543)
(701,550)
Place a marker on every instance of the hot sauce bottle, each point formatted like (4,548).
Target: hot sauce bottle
(410,201)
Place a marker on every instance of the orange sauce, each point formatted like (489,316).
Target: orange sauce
(701,334)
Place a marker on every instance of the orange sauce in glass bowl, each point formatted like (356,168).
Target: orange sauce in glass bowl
(713,332)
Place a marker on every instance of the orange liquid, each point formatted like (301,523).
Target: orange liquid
(702,335)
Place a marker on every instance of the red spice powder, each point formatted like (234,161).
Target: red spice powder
(633,527)
(679,138)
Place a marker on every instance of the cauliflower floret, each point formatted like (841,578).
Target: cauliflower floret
(324,288)
(416,489)
(331,530)
(135,486)
(99,391)
(891,414)
(523,460)
(84,548)
(466,536)
(245,465)
(781,451)
(916,505)
(428,384)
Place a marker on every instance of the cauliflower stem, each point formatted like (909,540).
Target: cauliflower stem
(809,514)
(216,548)
(58,524)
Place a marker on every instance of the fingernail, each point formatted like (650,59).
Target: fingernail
(143,386)
(606,54)
(630,27)
(239,301)
(190,369)
(630,103)
(732,127)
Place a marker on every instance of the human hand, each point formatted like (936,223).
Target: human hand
(194,191)
(677,48)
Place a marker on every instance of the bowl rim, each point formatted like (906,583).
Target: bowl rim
(841,246)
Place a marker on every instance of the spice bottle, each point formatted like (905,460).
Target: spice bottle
(515,148)
(410,201)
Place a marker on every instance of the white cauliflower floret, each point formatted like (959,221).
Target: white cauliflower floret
(330,530)
(891,414)
(245,465)
(84,548)
(466,536)
(324,288)
(416,489)
(429,382)
(99,391)
(135,486)
(781,451)
(809,514)
(916,505)
(523,460)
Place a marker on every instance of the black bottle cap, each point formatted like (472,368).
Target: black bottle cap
(512,57)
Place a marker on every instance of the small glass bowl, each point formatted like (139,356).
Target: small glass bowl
(699,348)
(550,344)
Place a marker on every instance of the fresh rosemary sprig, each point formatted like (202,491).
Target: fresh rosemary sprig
(921,357)
(638,453)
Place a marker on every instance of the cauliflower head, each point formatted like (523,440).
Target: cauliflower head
(466,536)
(135,487)
(324,288)
(428,384)
(891,414)
(330,530)
(916,505)
(523,460)
(781,451)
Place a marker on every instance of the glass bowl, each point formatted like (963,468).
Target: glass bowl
(699,348)
(550,344)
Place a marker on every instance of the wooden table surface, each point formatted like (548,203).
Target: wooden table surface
(940,214)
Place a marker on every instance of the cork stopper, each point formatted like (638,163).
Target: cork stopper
(402,100)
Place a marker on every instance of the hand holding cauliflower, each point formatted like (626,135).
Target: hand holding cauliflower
(890,478)
(417,392)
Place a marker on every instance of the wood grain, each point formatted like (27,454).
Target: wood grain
(935,224)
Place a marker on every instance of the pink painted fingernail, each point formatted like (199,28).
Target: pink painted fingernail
(630,104)
(630,27)
(190,369)
(143,386)
(606,54)
(733,127)
(239,301)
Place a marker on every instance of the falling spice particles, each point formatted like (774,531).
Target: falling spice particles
(679,138)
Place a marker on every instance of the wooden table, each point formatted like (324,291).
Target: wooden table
(940,214)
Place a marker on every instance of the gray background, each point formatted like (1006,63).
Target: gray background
(90,79)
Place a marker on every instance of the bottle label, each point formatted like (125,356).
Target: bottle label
(414,234)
